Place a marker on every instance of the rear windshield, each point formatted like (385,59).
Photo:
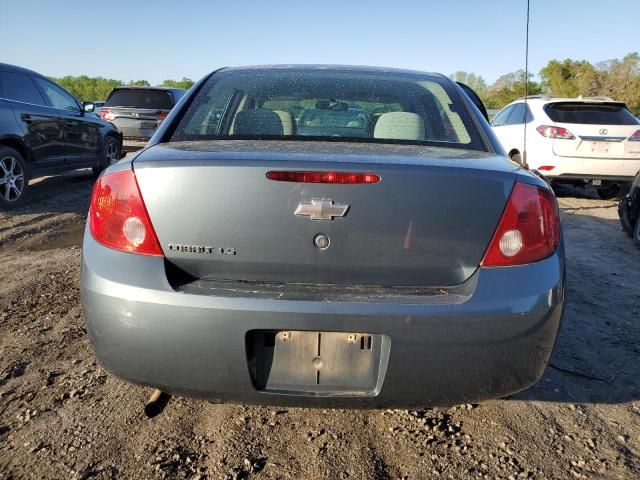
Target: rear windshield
(329,105)
(140,98)
(597,114)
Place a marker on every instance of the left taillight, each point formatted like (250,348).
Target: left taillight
(559,133)
(160,117)
(529,229)
(107,115)
(635,137)
(118,218)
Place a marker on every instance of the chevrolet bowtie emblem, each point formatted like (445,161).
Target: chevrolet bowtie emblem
(321,209)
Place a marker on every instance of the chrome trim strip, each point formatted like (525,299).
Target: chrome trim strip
(603,139)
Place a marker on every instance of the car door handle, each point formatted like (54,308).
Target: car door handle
(70,123)
(26,118)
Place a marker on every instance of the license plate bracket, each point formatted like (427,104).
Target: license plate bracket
(317,363)
(600,147)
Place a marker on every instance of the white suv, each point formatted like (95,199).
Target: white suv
(573,140)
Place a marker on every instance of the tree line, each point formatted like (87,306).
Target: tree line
(89,89)
(616,78)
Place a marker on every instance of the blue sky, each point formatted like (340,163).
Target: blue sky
(170,39)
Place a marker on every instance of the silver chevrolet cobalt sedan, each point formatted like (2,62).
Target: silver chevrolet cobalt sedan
(328,237)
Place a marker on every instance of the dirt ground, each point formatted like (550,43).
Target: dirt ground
(62,416)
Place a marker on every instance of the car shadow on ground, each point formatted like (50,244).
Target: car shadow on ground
(65,193)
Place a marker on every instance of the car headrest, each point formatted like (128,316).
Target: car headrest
(400,126)
(257,122)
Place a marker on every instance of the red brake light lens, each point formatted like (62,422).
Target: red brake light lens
(323,177)
(555,132)
(546,168)
(635,137)
(118,218)
(529,229)
(107,115)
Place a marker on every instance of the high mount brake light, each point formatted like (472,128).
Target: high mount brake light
(555,132)
(529,229)
(323,177)
(118,218)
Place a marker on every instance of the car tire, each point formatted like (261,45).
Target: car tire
(111,151)
(636,233)
(14,179)
(609,192)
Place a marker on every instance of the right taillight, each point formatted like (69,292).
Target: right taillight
(555,132)
(635,137)
(529,229)
(118,218)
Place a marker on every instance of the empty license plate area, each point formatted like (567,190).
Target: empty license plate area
(317,363)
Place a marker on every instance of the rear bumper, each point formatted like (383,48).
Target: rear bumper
(491,341)
(576,168)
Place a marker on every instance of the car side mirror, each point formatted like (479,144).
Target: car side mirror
(88,107)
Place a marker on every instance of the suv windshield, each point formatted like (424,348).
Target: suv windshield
(591,113)
(329,105)
(140,98)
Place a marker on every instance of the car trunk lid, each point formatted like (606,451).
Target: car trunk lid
(427,222)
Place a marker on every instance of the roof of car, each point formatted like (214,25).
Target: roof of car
(333,68)
(147,87)
(5,67)
(552,99)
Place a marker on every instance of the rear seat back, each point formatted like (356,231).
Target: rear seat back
(258,122)
(319,121)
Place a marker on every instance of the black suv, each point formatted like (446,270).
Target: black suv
(45,130)
(137,111)
(629,211)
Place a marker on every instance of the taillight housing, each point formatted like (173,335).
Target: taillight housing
(118,218)
(529,229)
(560,133)
(107,115)
(323,177)
(160,117)
(635,137)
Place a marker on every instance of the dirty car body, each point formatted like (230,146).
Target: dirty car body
(326,237)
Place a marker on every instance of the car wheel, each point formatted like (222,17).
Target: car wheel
(609,192)
(14,181)
(110,155)
(636,233)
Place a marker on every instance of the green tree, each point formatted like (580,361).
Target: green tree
(86,88)
(508,88)
(138,83)
(620,80)
(473,81)
(185,83)
(570,78)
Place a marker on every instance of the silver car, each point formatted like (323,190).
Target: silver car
(328,237)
